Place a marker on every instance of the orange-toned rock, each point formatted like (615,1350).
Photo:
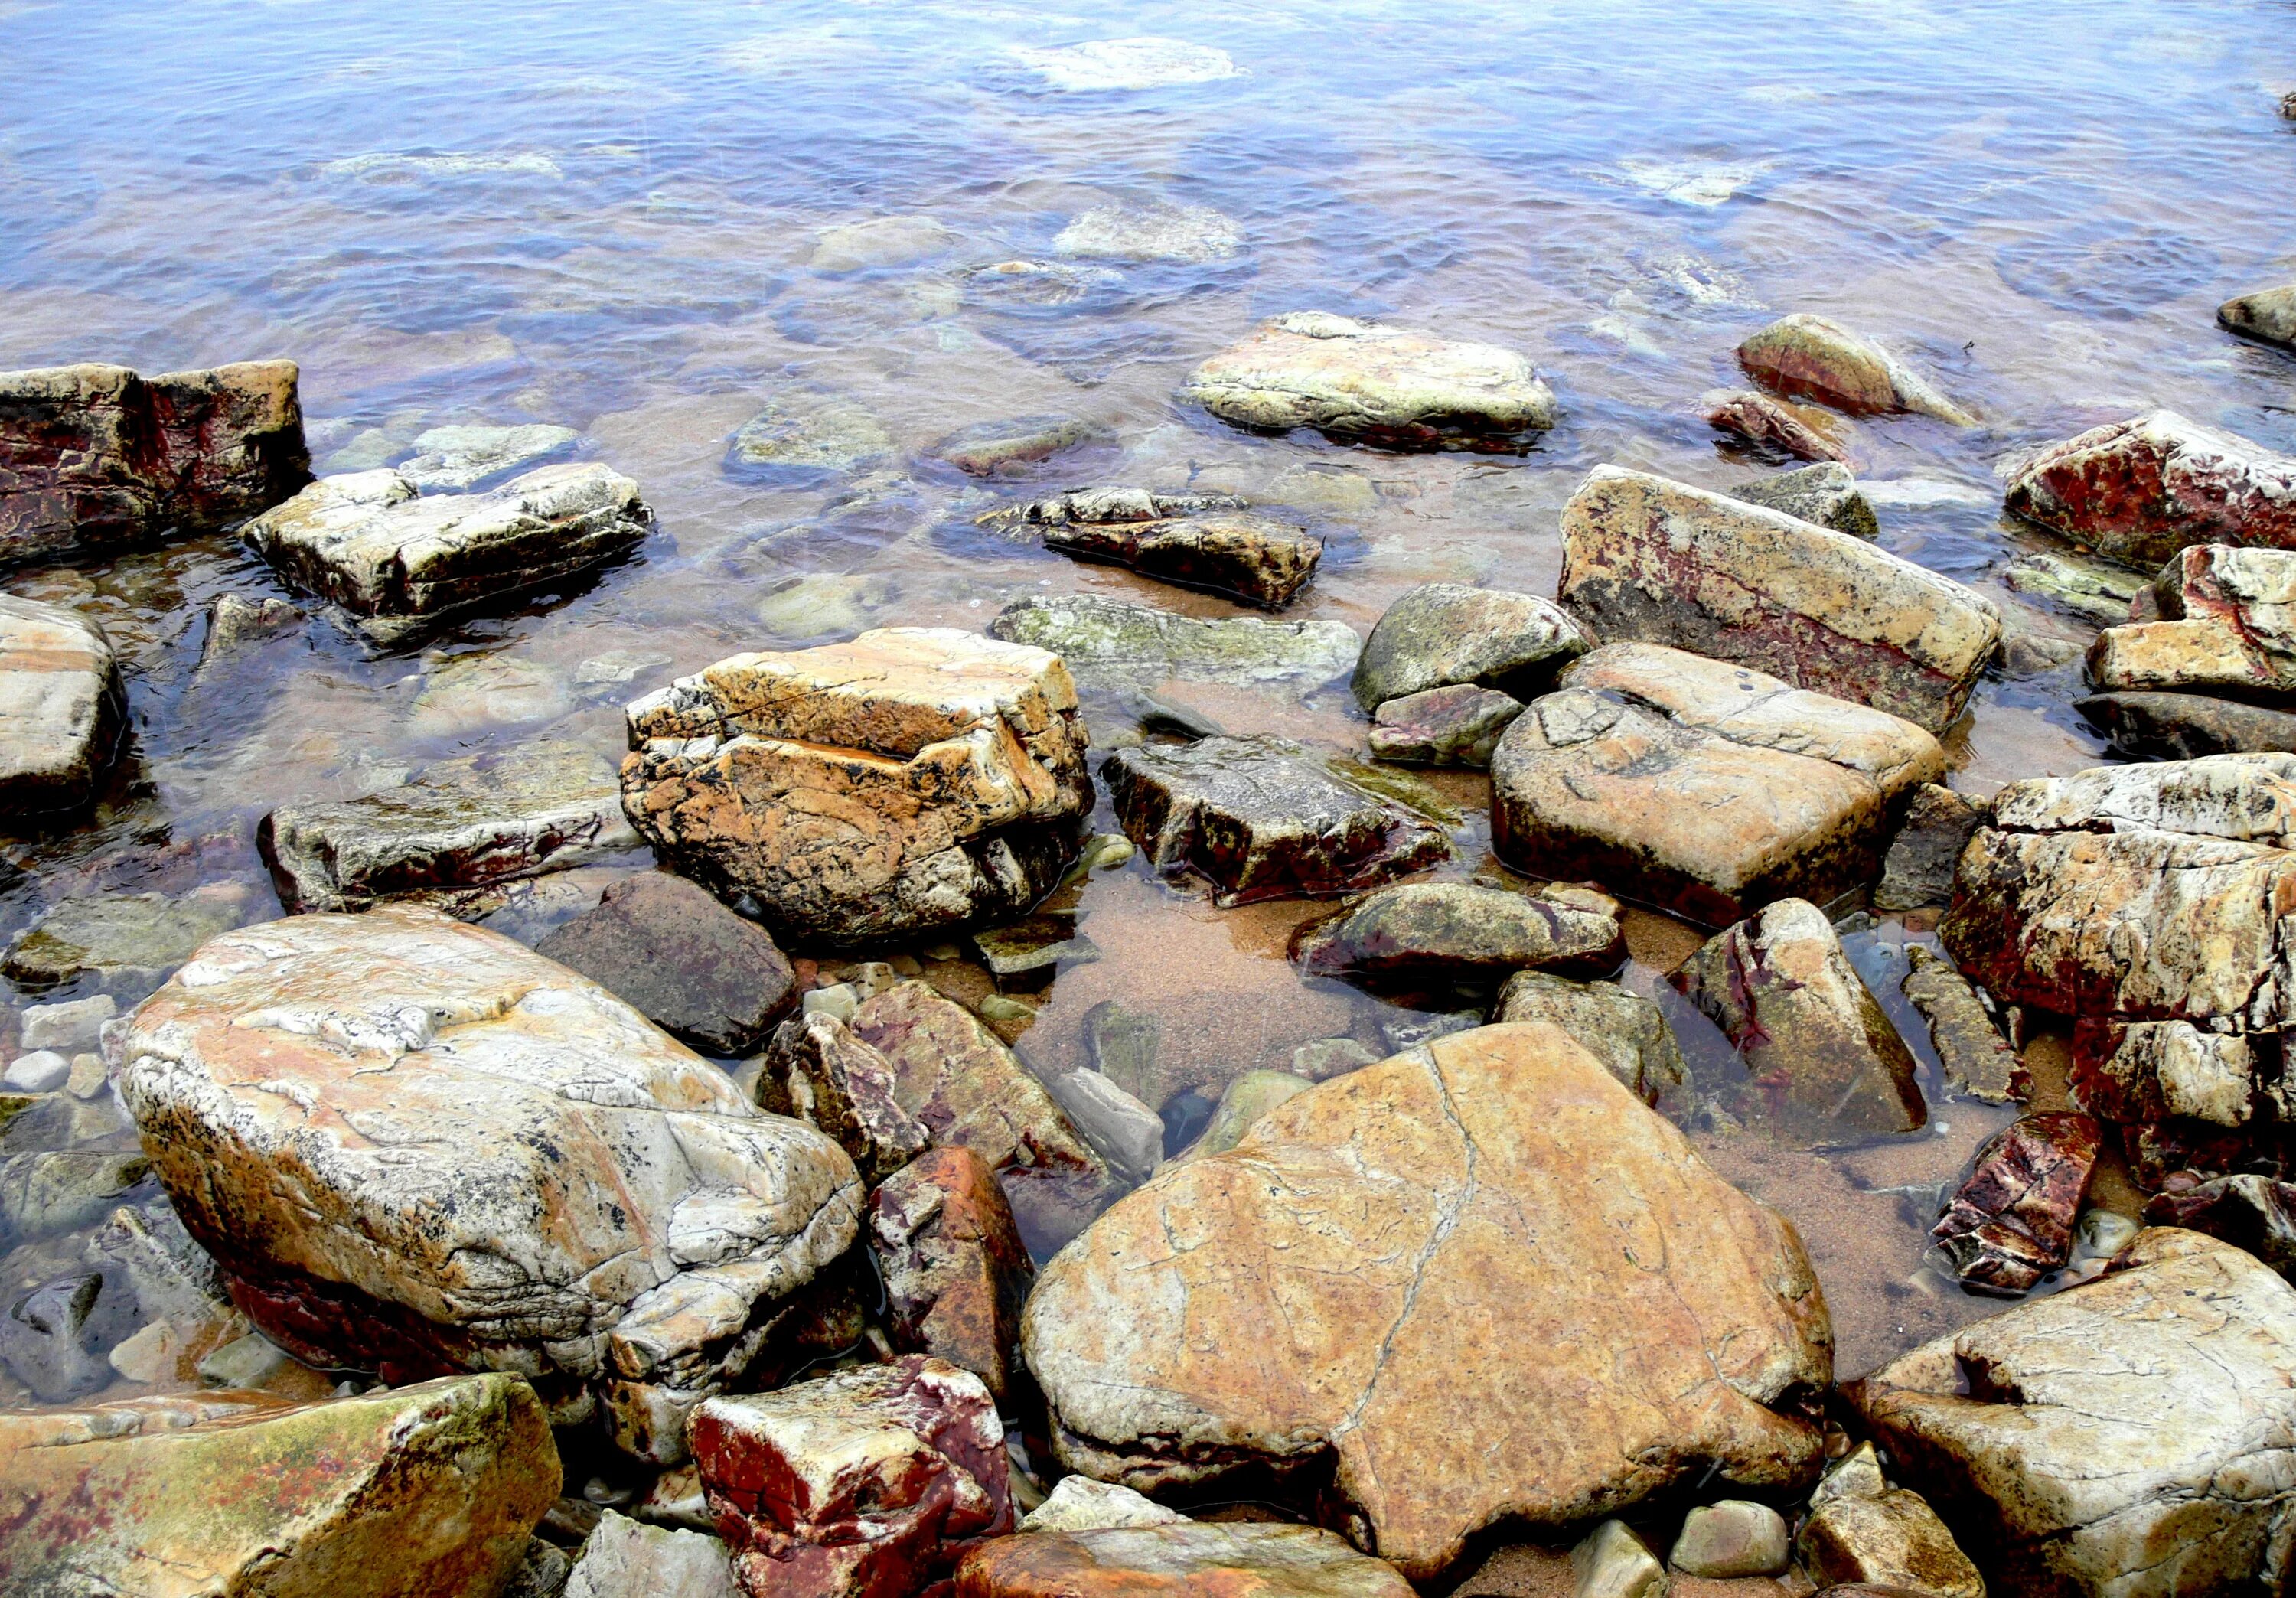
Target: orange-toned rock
(1810,356)
(954,1270)
(1354,1287)
(1803,432)
(912,779)
(1241,1560)
(2227,625)
(2140,490)
(62,706)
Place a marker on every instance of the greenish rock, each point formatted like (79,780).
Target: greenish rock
(1025,954)
(1016,447)
(1439,635)
(1414,931)
(461,456)
(128,941)
(244,1362)
(2094,590)
(806,436)
(1401,787)
(1124,1046)
(825,604)
(2268,314)
(1115,640)
(1624,1031)
(1002,1010)
(1825,494)
(1244,1101)
(1320,1059)
(45,1195)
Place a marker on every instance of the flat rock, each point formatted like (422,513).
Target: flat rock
(627,1559)
(803,438)
(816,1069)
(1362,383)
(420,1492)
(1812,358)
(457,455)
(1260,820)
(1439,635)
(1974,1058)
(1456,930)
(1106,505)
(1802,431)
(129,942)
(1116,640)
(1018,447)
(1624,1031)
(1702,787)
(1659,562)
(1826,493)
(62,705)
(954,1269)
(1917,871)
(2140,490)
(2124,1437)
(881,242)
(2227,625)
(1238,1560)
(44,1193)
(2268,315)
(2184,726)
(2096,591)
(2010,1221)
(1254,558)
(1123,1131)
(416,1146)
(399,563)
(1827,1067)
(1862,1535)
(911,780)
(466,823)
(1459,725)
(1159,231)
(692,967)
(1360,1242)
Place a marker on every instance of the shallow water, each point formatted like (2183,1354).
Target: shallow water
(608,217)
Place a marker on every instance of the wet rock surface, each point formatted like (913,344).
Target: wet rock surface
(1624,1031)
(1412,1164)
(1018,447)
(1813,357)
(1249,1560)
(2096,591)
(2227,625)
(2185,726)
(1254,558)
(2010,1221)
(2140,490)
(1917,872)
(126,942)
(817,1070)
(1114,640)
(1862,1533)
(692,967)
(1826,493)
(2268,315)
(62,706)
(1802,431)
(1458,725)
(1733,1538)
(954,1269)
(1441,635)
(1973,1056)
(1421,930)
(1610,1562)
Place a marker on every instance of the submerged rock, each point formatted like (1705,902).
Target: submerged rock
(954,1269)
(1647,559)
(1917,871)
(1018,447)
(2185,726)
(2096,591)
(1254,558)
(1242,1104)
(2141,490)
(2010,1221)
(1159,231)
(62,707)
(236,623)
(1458,725)
(1389,1199)
(1808,355)
(1973,1056)
(1361,382)
(692,967)
(881,242)
(1799,430)
(1116,641)
(1459,932)
(2268,315)
(457,456)
(1238,1560)
(1825,494)
(1625,1031)
(1440,634)
(803,438)
(1865,1537)
(1121,1130)
(129,942)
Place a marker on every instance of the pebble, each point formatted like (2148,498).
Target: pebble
(43,1070)
(72,1025)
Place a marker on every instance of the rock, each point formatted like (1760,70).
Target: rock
(1439,635)
(2254,1213)
(966,1088)
(1101,505)
(464,693)
(1810,357)
(1360,1240)
(911,780)
(2185,726)
(93,457)
(2119,1437)
(1261,820)
(1015,448)
(1253,558)
(1917,871)
(1975,1059)
(1103,65)
(1827,1067)
(44,1340)
(460,456)
(236,623)
(46,1193)
(511,1168)
(400,564)
(1802,431)
(1700,787)
(1610,1562)
(1862,1532)
(1242,1104)
(1242,1558)
(881,242)
(2096,591)
(954,1270)
(1459,725)
(467,823)
(1733,1538)
(2268,315)
(62,705)
(2140,490)
(862,1483)
(1122,1130)
(1118,641)
(2010,1221)
(1825,494)
(1647,559)
(128,941)
(429,1491)
(245,1362)
(1080,1503)
(1028,955)
(802,440)
(1625,1031)
(629,1559)
(692,967)
(1360,382)
(1159,231)
(2135,1072)
(43,1070)
(2228,627)
(148,1252)
(818,1071)
(1324,1058)
(1457,932)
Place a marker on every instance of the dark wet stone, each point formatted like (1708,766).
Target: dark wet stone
(1825,494)
(2010,1221)
(1124,1046)
(128,941)
(1917,871)
(45,1194)
(1261,821)
(44,1338)
(236,623)
(1026,954)
(1457,930)
(2252,1212)
(951,1258)
(1458,725)
(1254,558)
(1803,432)
(1017,447)
(1624,1031)
(1976,1059)
(2181,726)
(1441,633)
(710,979)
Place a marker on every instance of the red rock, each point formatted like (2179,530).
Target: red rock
(954,1270)
(1759,418)
(2012,1221)
(2140,490)
(2250,1212)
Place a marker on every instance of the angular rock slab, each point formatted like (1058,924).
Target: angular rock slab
(421,1492)
(1972,1055)
(1257,559)
(2128,1437)
(1826,493)
(1864,1536)
(1261,820)
(1808,355)
(1801,431)
(2228,626)
(2010,1221)
(1359,381)
(1459,931)
(415,1147)
(1700,787)
(693,968)
(1918,870)
(2185,726)
(62,707)
(816,1069)
(629,1559)
(1328,1288)
(1115,640)
(1459,725)
(1441,633)
(1240,1559)
(1648,559)
(954,1269)
(2140,490)
(468,822)
(912,779)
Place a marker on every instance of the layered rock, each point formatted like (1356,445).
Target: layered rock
(1439,635)
(692,967)
(1861,1533)
(2010,1221)
(1321,1295)
(2096,591)
(1811,356)
(1416,930)
(912,779)
(93,457)
(1826,493)
(1459,725)
(2268,315)
(468,823)
(429,1491)
(2140,490)
(1260,820)
(1698,786)
(2228,627)
(1116,640)
(1250,557)
(1972,1055)
(954,1269)
(1663,563)
(62,706)
(1624,1031)
(415,1147)
(1362,383)
(1241,1560)
(1799,430)
(2127,1436)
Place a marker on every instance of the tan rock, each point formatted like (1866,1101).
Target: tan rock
(1975,1059)
(2268,314)
(1861,1530)
(2140,490)
(1810,356)
(1624,1031)
(912,779)
(1325,1290)
(2228,627)
(1610,1562)
(1239,1559)
(1733,1538)
(62,706)
(1080,1503)
(1803,432)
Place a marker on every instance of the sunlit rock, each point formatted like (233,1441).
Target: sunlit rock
(1810,357)
(1246,1560)
(2268,315)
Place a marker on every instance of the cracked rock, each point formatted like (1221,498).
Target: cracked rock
(1862,1532)
(1975,1059)
(2227,625)
(816,1069)
(1624,1031)
(62,706)
(2140,490)
(1250,557)
(2010,1221)
(954,1269)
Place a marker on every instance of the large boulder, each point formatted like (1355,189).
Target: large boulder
(1649,559)
(954,1269)
(1362,383)
(1118,640)
(415,1147)
(62,706)
(1316,1303)
(1458,932)
(1810,357)
(468,823)
(1253,558)
(2128,1438)
(1441,633)
(711,979)
(402,564)
(2227,625)
(429,1491)
(2268,315)
(93,457)
(911,780)
(1698,786)
(2140,490)
(1243,1560)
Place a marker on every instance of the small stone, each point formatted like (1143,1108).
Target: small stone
(62,703)
(837,1002)
(1027,954)
(247,1361)
(818,1071)
(1123,1045)
(2096,591)
(1439,635)
(1126,1132)
(1733,1538)
(1862,1530)
(1459,932)
(1245,1100)
(1917,872)
(2185,726)
(43,1070)
(1116,641)
(2102,1234)
(1017,447)
(1002,1010)
(542,1571)
(1080,1503)
(1976,1059)
(710,979)
(1324,1058)
(1157,231)
(1810,356)
(44,1340)
(629,1559)
(461,456)
(1610,1562)
(2268,315)
(235,622)
(2140,490)
(89,1077)
(2010,1221)
(803,438)
(1458,725)
(954,1270)
(1625,1031)
(1825,494)
(1802,431)
(69,1027)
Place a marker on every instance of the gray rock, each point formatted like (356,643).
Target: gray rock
(542,1571)
(1124,1047)
(1241,1103)
(629,1559)
(1442,634)
(1610,1562)
(1320,1059)
(1027,954)
(1458,932)
(243,1362)
(1122,1130)
(128,941)
(1977,1060)
(1080,1503)
(1917,871)
(72,1027)
(2184,726)
(2268,315)
(1458,725)
(459,455)
(805,438)
(173,1279)
(43,1070)
(62,706)
(1736,1537)
(1825,494)
(818,1071)
(1625,1031)
(236,623)
(1159,231)
(702,974)
(881,242)
(1105,506)
(1116,641)
(44,1340)
(2096,591)
(1019,447)
(42,1195)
